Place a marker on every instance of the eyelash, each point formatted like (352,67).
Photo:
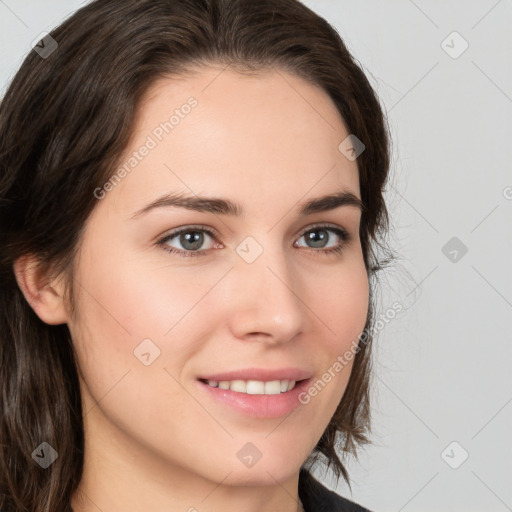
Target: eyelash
(344,235)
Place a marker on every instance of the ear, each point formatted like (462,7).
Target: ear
(44,296)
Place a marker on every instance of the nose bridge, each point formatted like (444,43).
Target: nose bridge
(266,297)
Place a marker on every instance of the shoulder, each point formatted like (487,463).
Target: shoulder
(317,498)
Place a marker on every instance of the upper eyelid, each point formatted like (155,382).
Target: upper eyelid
(213,231)
(176,231)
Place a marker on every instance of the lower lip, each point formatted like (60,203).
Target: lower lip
(259,406)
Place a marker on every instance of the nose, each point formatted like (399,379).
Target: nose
(265,299)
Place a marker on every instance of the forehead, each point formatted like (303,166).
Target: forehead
(214,130)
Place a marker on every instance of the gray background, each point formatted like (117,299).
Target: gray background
(443,364)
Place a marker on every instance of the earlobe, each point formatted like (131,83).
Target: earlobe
(44,296)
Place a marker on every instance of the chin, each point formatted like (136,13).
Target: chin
(266,471)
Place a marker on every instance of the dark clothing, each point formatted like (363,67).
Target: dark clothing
(317,498)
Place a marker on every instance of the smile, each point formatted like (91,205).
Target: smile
(253,387)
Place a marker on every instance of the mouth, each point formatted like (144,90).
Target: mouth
(256,399)
(254,387)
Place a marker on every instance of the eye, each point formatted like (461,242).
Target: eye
(190,240)
(319,237)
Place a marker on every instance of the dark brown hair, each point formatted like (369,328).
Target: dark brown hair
(65,120)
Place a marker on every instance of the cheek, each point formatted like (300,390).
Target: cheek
(346,310)
(123,302)
(342,304)
(119,310)
(129,301)
(116,310)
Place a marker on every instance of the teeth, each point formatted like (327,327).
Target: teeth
(255,387)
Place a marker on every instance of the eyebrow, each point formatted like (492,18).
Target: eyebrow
(227,207)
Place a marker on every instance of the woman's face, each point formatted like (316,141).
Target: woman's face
(253,290)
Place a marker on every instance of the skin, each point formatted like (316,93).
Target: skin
(153,441)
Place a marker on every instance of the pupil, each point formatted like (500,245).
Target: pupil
(194,238)
(318,241)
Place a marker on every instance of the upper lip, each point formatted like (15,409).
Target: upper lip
(261,374)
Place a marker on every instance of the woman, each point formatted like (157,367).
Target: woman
(191,199)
